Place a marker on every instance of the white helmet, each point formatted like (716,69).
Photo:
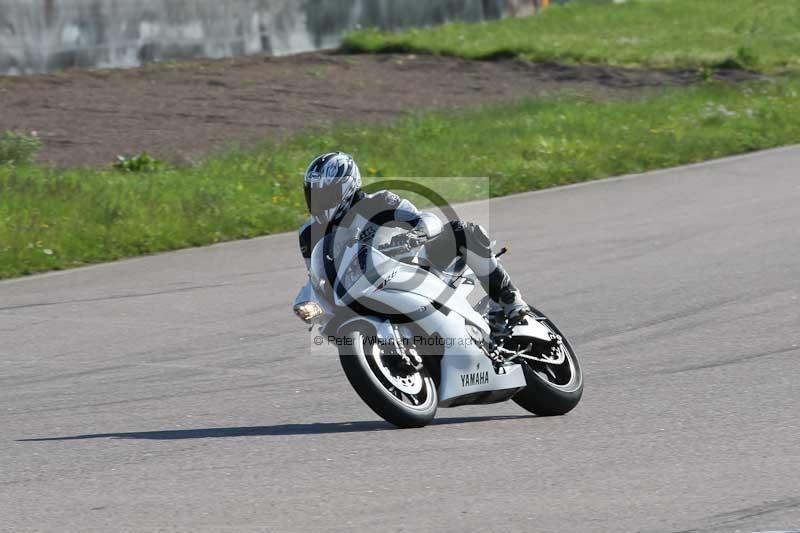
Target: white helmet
(331,182)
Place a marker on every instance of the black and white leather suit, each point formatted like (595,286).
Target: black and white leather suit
(386,210)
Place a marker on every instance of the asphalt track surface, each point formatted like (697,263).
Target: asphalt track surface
(177,392)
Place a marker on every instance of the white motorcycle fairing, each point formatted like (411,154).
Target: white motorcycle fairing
(440,311)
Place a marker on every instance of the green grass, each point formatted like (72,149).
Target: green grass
(17,148)
(51,219)
(754,34)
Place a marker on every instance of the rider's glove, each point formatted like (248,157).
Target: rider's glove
(409,240)
(399,240)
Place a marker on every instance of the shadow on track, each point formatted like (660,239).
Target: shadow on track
(317,428)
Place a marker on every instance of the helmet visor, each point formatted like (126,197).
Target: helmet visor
(323,200)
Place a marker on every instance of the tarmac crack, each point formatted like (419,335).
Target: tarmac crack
(732,517)
(115,297)
(738,360)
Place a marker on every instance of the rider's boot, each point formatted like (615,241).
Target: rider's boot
(502,291)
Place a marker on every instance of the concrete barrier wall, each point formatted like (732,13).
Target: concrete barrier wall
(46,35)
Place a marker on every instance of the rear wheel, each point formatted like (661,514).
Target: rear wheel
(396,391)
(552,390)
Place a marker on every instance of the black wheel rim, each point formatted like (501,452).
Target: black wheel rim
(562,376)
(411,388)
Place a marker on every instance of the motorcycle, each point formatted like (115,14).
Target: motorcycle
(410,342)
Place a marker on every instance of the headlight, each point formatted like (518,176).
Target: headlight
(308,311)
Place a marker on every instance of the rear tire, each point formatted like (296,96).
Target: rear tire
(551,391)
(390,396)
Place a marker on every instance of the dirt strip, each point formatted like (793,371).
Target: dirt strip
(181,111)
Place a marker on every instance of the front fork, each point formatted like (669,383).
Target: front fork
(390,335)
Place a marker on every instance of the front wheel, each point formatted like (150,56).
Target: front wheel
(552,390)
(394,390)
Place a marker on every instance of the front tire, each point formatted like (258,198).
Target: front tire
(552,390)
(406,397)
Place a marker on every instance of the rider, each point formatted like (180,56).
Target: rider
(334,198)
